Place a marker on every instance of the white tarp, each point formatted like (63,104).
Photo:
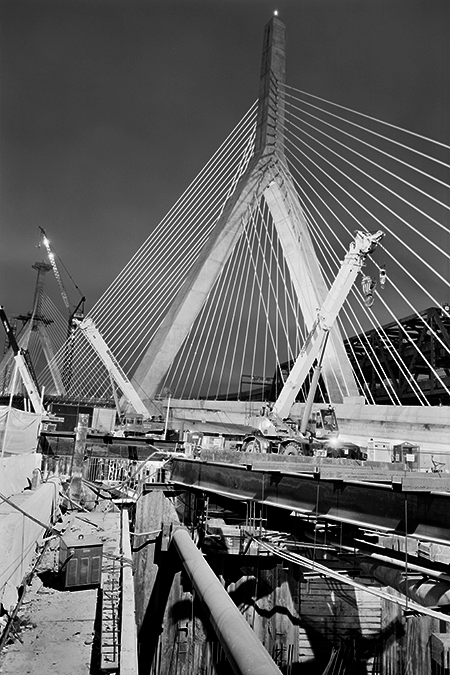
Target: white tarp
(19,536)
(19,431)
(16,473)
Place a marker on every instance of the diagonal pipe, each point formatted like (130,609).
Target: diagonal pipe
(244,651)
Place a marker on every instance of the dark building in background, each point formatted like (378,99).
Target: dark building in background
(406,360)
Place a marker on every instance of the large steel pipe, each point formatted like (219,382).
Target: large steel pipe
(427,593)
(244,651)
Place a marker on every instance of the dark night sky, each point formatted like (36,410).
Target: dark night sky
(109,108)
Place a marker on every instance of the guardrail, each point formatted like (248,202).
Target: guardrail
(132,474)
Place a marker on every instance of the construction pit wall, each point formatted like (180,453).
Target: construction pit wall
(303,620)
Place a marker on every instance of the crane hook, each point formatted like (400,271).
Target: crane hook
(368,287)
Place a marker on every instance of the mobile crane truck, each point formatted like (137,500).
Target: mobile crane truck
(273,429)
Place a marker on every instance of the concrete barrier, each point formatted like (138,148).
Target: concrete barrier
(128,629)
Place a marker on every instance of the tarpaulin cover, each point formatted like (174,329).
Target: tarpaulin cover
(19,536)
(16,472)
(19,431)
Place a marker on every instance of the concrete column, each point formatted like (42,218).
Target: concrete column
(78,457)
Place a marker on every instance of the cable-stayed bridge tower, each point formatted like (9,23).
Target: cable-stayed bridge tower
(217,302)
(267,178)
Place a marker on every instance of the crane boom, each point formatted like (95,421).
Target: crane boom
(92,334)
(363,244)
(24,366)
(51,257)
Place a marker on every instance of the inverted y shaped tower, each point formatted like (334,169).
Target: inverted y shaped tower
(267,176)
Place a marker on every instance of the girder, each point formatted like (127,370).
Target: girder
(424,515)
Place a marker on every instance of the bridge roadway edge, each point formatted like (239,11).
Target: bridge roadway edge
(424,424)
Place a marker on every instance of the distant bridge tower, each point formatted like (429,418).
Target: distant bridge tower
(268,177)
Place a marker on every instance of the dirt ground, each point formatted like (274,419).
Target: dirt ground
(58,630)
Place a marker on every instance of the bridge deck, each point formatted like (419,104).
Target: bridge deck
(398,506)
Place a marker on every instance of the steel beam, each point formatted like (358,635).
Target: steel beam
(425,515)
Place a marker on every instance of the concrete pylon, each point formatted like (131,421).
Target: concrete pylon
(267,176)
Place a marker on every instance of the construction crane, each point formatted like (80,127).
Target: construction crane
(76,313)
(24,366)
(117,375)
(271,429)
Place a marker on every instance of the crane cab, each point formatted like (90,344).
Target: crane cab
(131,424)
(323,423)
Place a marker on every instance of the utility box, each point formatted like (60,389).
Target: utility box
(103,420)
(395,452)
(80,561)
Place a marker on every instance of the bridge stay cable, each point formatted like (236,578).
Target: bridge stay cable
(379,221)
(381,203)
(379,121)
(289,209)
(396,176)
(435,335)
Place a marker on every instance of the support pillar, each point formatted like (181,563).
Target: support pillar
(78,458)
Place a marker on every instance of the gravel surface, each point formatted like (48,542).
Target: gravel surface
(58,631)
